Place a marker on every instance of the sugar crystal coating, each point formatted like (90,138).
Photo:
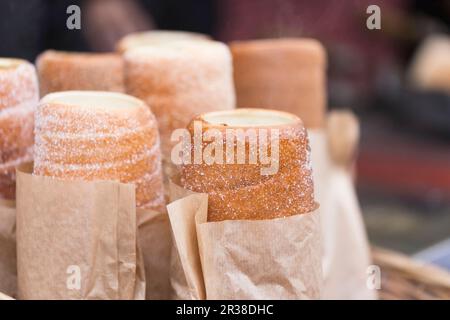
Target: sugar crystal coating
(180,80)
(100,143)
(18,99)
(240,191)
(62,71)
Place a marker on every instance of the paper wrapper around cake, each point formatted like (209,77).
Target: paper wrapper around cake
(283,74)
(334,155)
(8,266)
(346,251)
(154,235)
(242,259)
(76,230)
(63,71)
(155,241)
(255,235)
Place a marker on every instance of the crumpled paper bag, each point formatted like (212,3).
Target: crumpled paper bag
(76,239)
(265,259)
(346,252)
(155,240)
(8,267)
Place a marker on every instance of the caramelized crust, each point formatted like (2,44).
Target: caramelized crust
(242,191)
(286,74)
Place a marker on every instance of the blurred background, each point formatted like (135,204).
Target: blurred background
(396,79)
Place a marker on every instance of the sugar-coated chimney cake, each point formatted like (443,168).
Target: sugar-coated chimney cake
(100,136)
(19,96)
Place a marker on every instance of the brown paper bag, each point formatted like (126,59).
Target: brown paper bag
(265,259)
(186,276)
(8,266)
(346,254)
(5,297)
(76,239)
(155,241)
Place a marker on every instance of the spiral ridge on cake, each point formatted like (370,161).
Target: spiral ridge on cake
(93,135)
(243,191)
(180,80)
(64,71)
(19,95)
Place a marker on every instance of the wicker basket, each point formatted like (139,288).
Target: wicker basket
(403,278)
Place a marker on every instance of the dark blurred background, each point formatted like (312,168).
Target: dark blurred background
(403,168)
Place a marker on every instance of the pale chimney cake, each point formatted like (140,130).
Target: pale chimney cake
(93,135)
(19,95)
